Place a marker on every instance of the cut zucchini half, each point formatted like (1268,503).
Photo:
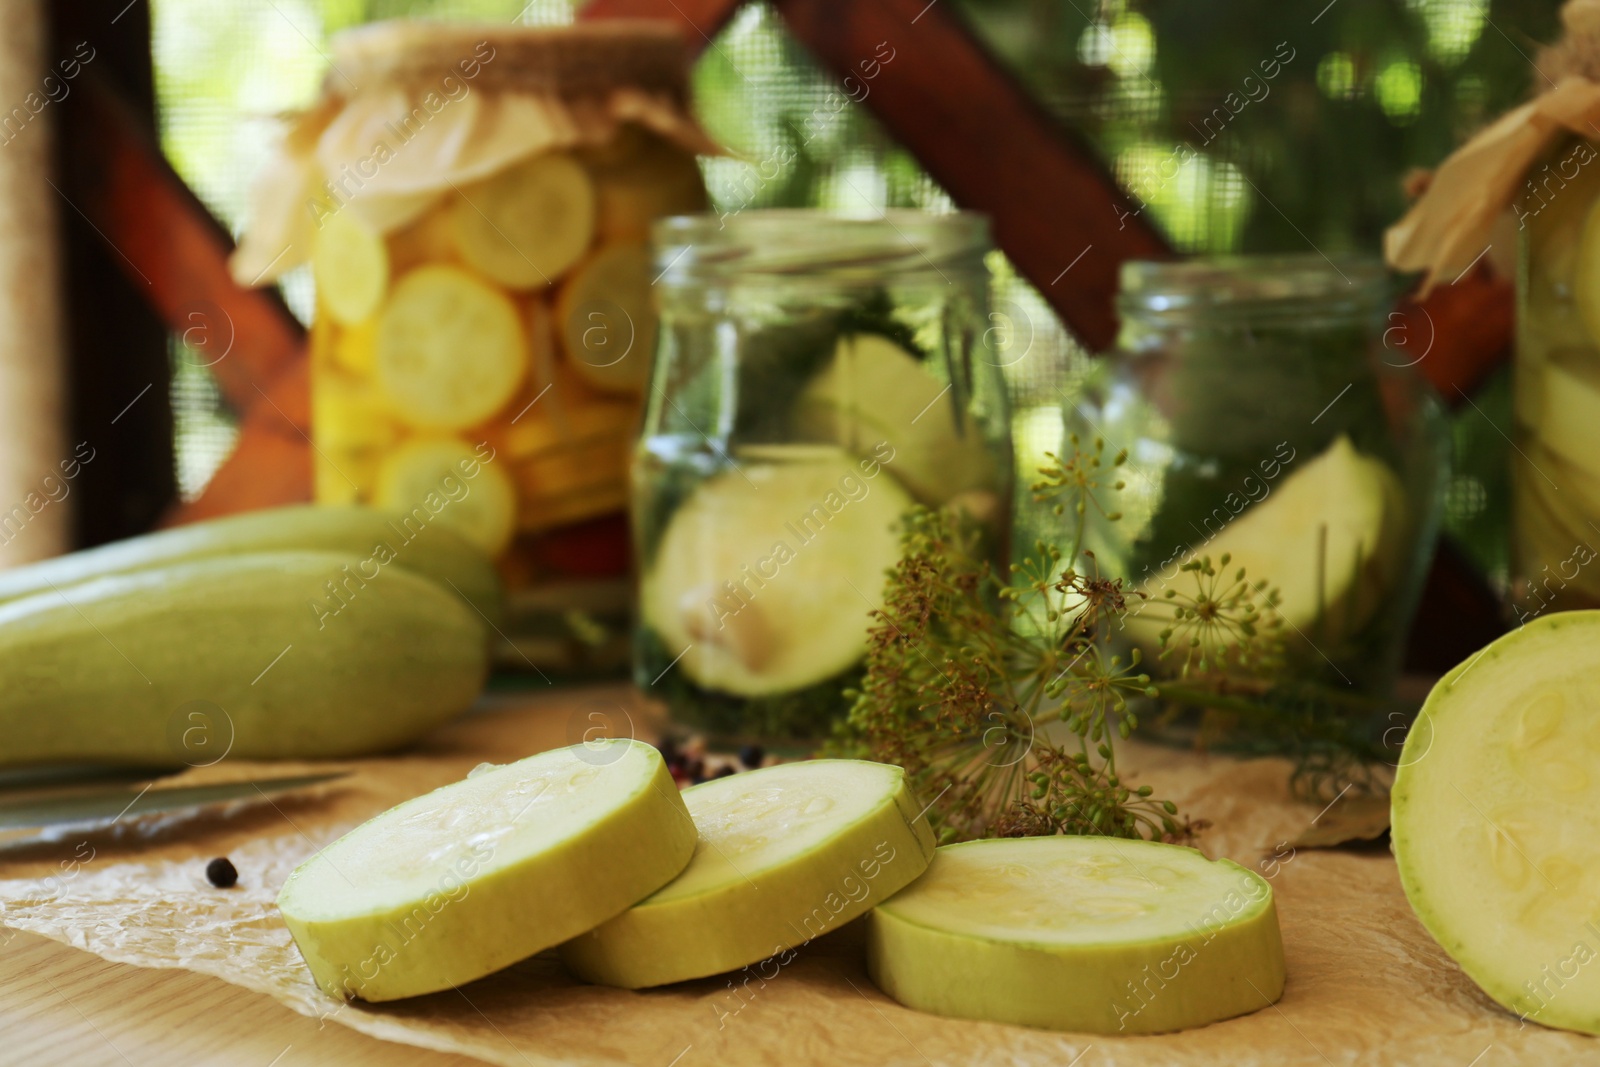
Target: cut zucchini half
(767,573)
(1080,933)
(458,883)
(1494,821)
(872,391)
(607,319)
(786,854)
(350,265)
(527,225)
(450,349)
(1586,278)
(1327,538)
(432,476)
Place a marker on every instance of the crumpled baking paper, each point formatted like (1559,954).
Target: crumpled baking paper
(1366,984)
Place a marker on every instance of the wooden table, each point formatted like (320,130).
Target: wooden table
(62,1006)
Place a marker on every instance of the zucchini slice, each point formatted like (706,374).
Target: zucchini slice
(432,474)
(766,574)
(1080,933)
(1493,811)
(350,264)
(525,226)
(450,350)
(470,878)
(786,854)
(607,320)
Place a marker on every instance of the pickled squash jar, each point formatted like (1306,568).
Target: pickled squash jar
(817,377)
(475,205)
(1556,385)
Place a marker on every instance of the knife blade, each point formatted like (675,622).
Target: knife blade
(110,803)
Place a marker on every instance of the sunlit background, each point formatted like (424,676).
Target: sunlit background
(1254,127)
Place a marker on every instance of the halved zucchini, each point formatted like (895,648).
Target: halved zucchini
(1494,820)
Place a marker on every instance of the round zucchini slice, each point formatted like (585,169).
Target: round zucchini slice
(450,350)
(1493,811)
(786,854)
(767,573)
(432,475)
(607,320)
(350,264)
(1080,933)
(527,225)
(470,878)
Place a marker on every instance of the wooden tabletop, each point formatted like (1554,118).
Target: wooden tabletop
(62,1006)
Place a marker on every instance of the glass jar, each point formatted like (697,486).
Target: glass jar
(816,376)
(1555,480)
(474,204)
(1265,422)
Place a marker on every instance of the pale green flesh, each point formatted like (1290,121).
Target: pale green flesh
(246,656)
(427,548)
(1079,933)
(1494,819)
(786,854)
(470,878)
(1326,538)
(805,536)
(872,391)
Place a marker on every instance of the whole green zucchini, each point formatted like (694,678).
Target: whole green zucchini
(375,539)
(246,656)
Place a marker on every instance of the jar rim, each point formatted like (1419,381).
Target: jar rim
(778,244)
(1152,287)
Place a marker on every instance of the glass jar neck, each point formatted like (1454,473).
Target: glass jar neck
(1247,293)
(794,249)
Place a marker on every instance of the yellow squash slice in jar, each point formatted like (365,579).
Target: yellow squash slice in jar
(447,480)
(639,179)
(527,225)
(351,266)
(608,321)
(430,239)
(450,349)
(355,347)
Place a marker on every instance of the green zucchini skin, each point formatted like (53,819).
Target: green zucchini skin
(418,543)
(242,656)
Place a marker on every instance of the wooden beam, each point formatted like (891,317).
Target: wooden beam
(700,20)
(169,244)
(1056,210)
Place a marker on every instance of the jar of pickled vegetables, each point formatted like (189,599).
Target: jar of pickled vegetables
(1267,429)
(1556,385)
(816,377)
(475,204)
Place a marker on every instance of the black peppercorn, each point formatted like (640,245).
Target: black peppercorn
(725,770)
(221,873)
(751,756)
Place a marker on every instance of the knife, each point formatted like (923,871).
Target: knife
(111,803)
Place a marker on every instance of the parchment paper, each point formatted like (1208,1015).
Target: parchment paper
(1366,984)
